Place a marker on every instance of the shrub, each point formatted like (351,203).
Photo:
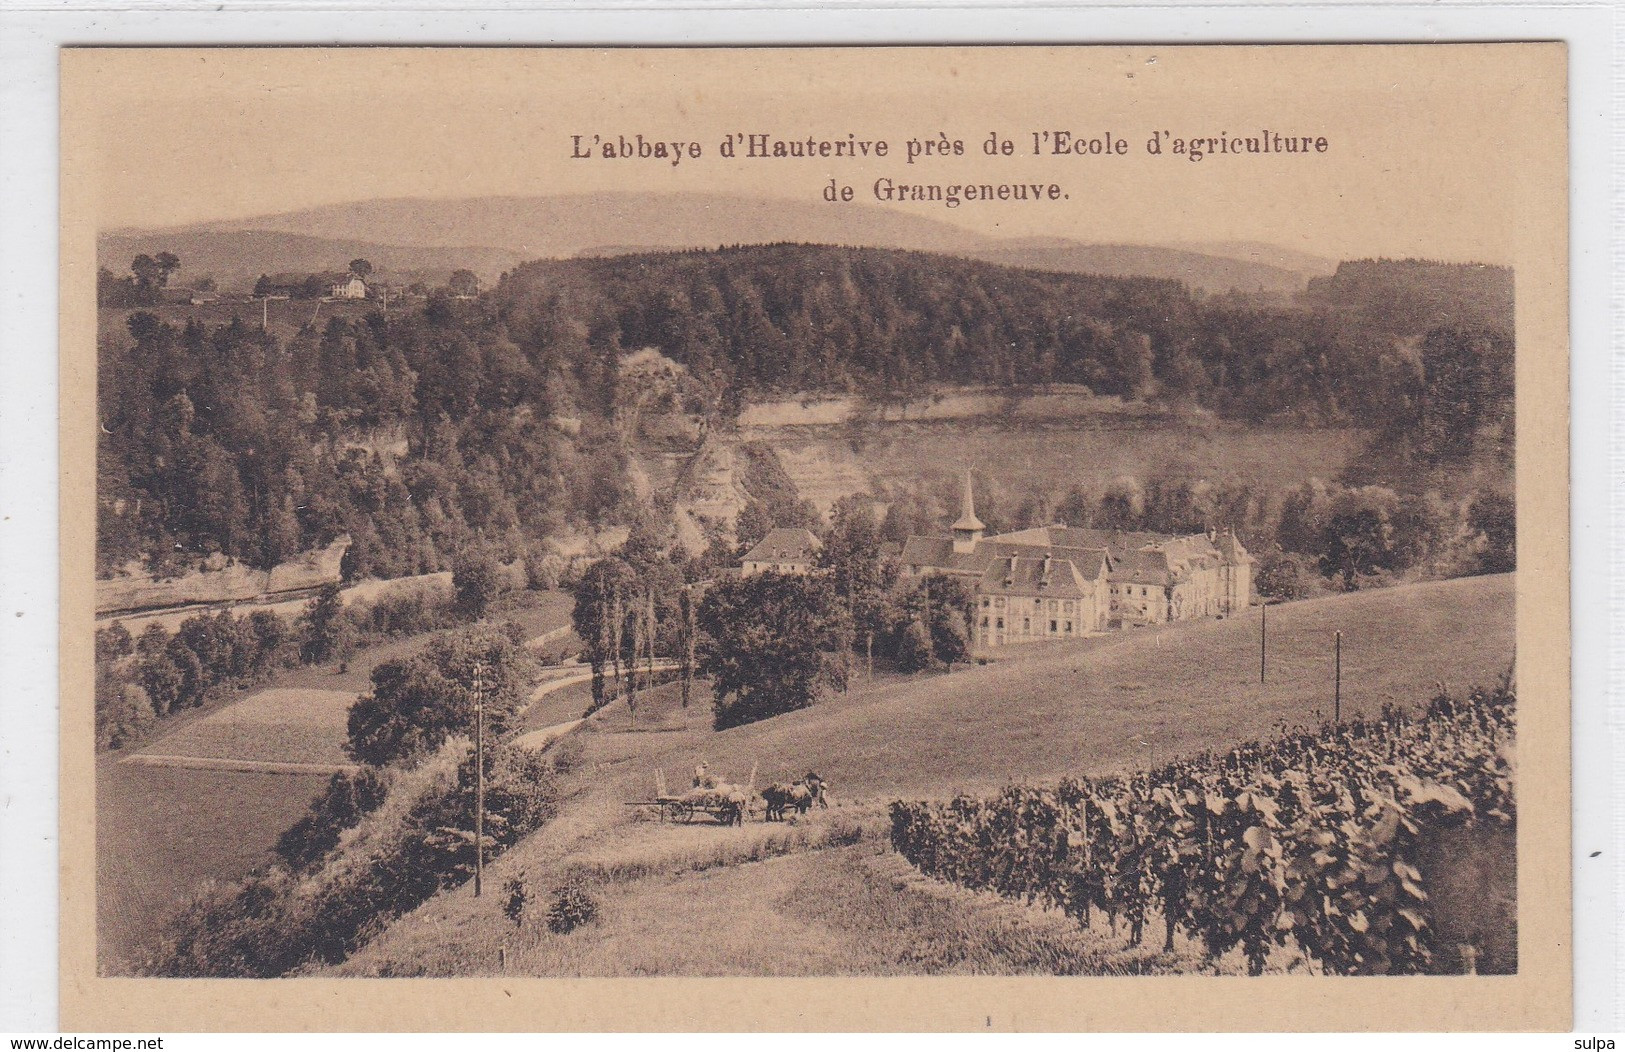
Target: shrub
(913,647)
(162,680)
(572,907)
(1281,575)
(517,897)
(347,799)
(114,642)
(124,713)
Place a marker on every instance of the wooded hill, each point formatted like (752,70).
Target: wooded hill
(797,318)
(229,440)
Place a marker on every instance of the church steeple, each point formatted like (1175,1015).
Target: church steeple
(968,530)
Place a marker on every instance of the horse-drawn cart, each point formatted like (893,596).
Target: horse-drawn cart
(728,810)
(726,804)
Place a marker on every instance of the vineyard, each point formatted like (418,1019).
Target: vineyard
(1324,841)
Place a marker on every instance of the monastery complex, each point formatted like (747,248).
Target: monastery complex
(1057,581)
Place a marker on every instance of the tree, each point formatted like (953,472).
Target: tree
(114,642)
(194,681)
(329,633)
(417,703)
(463,283)
(162,680)
(751,525)
(1122,505)
(766,644)
(1466,391)
(124,713)
(603,600)
(146,271)
(912,650)
(1279,575)
(478,581)
(941,606)
(862,581)
(361,268)
(270,635)
(168,263)
(1493,518)
(1356,541)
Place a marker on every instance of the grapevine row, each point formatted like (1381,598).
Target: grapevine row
(1315,837)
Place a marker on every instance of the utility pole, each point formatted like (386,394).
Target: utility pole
(1337,690)
(481,670)
(1263,635)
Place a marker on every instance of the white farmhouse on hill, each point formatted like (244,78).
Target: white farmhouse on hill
(351,287)
(782,551)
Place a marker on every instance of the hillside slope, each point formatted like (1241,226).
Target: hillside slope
(491,234)
(1199,270)
(1112,703)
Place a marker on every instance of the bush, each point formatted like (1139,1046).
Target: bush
(124,713)
(517,893)
(347,799)
(114,642)
(913,647)
(1281,575)
(572,907)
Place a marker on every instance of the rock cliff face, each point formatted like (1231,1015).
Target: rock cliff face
(221,580)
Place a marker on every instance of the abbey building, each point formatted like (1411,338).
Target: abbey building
(1060,581)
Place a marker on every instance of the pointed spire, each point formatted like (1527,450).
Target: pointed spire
(967,511)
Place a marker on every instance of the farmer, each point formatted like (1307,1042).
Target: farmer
(702,777)
(815,787)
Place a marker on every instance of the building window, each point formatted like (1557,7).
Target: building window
(986,602)
(1001,624)
(984,622)
(1069,628)
(1053,627)
(1026,626)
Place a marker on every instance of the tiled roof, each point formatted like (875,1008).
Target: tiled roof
(1034,576)
(1144,566)
(1137,556)
(784,546)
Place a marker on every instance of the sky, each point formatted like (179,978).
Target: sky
(1429,149)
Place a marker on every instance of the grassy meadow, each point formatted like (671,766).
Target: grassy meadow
(161,832)
(288,725)
(823,895)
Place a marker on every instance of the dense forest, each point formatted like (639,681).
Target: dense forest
(494,423)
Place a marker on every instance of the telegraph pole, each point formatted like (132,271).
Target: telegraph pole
(481,670)
(1263,635)
(1337,690)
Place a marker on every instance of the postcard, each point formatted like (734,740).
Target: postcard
(1014,538)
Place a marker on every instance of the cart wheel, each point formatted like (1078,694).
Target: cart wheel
(672,812)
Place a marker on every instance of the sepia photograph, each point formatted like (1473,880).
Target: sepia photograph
(819,514)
